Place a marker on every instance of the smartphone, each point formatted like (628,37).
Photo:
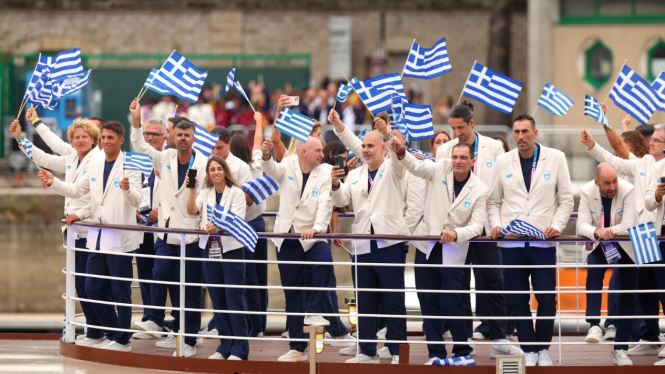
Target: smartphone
(338,161)
(293,101)
(192,178)
(662,180)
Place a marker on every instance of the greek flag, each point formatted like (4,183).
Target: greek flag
(230,79)
(456,361)
(64,64)
(593,110)
(418,152)
(555,101)
(235,226)
(658,85)
(27,145)
(239,88)
(259,189)
(294,124)
(396,113)
(634,95)
(41,93)
(204,140)
(376,92)
(181,77)
(492,89)
(139,162)
(418,120)
(427,63)
(645,243)
(520,227)
(63,88)
(154,85)
(361,136)
(345,90)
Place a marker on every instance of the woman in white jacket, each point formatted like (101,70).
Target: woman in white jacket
(222,189)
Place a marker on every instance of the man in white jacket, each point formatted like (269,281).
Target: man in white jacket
(607,209)
(114,196)
(531,183)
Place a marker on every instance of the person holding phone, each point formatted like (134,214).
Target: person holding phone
(221,189)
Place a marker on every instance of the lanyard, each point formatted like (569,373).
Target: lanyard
(475,155)
(454,194)
(533,165)
(602,217)
(371,180)
(191,161)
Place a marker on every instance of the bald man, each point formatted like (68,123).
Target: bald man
(607,209)
(305,207)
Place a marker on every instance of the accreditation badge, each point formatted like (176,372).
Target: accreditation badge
(215,247)
(611,252)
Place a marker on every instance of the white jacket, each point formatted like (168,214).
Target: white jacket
(465,215)
(655,209)
(233,199)
(311,211)
(548,203)
(173,198)
(112,205)
(641,170)
(622,217)
(254,210)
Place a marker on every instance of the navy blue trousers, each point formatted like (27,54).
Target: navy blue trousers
(393,302)
(594,282)
(651,278)
(80,265)
(257,275)
(440,304)
(144,267)
(294,275)
(104,289)
(169,270)
(541,280)
(229,324)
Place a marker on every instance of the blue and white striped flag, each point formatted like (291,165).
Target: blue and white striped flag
(634,95)
(397,120)
(492,89)
(658,85)
(593,110)
(418,120)
(456,361)
(235,226)
(427,63)
(345,90)
(259,189)
(239,88)
(154,85)
(204,140)
(294,124)
(66,86)
(418,152)
(64,64)
(181,77)
(520,227)
(139,162)
(361,136)
(27,145)
(41,93)
(376,92)
(230,79)
(645,243)
(555,101)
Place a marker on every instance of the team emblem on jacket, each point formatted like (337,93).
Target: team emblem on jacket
(644,175)
(488,162)
(93,179)
(315,192)
(290,177)
(69,166)
(444,183)
(467,203)
(509,176)
(116,182)
(380,174)
(85,171)
(620,212)
(546,174)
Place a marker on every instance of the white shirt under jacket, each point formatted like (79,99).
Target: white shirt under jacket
(233,199)
(112,205)
(655,209)
(466,214)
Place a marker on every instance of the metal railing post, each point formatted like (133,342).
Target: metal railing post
(355,293)
(70,288)
(181,336)
(558,298)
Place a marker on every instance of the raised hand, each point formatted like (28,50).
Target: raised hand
(266,148)
(15,129)
(587,139)
(135,110)
(45,176)
(337,175)
(31,114)
(381,126)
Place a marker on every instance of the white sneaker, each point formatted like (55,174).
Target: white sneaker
(384,352)
(343,344)
(142,336)
(544,358)
(259,335)
(620,358)
(660,363)
(234,358)
(115,346)
(595,335)
(473,347)
(150,327)
(355,334)
(285,335)
(431,361)
(316,321)
(189,351)
(644,349)
(102,344)
(381,334)
(87,342)
(80,337)
(478,336)
(211,332)
(610,332)
(169,342)
(216,356)
(363,359)
(293,356)
(349,351)
(661,354)
(199,342)
(395,360)
(501,347)
(531,359)
(447,336)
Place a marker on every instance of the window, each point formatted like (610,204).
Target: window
(612,11)
(598,63)
(656,60)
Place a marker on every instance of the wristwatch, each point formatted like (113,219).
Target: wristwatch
(385,139)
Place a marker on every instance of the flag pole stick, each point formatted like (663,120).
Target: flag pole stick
(348,81)
(467,79)
(248,101)
(175,110)
(583,122)
(615,80)
(407,59)
(25,99)
(534,110)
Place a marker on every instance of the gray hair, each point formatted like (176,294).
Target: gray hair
(157,121)
(659,126)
